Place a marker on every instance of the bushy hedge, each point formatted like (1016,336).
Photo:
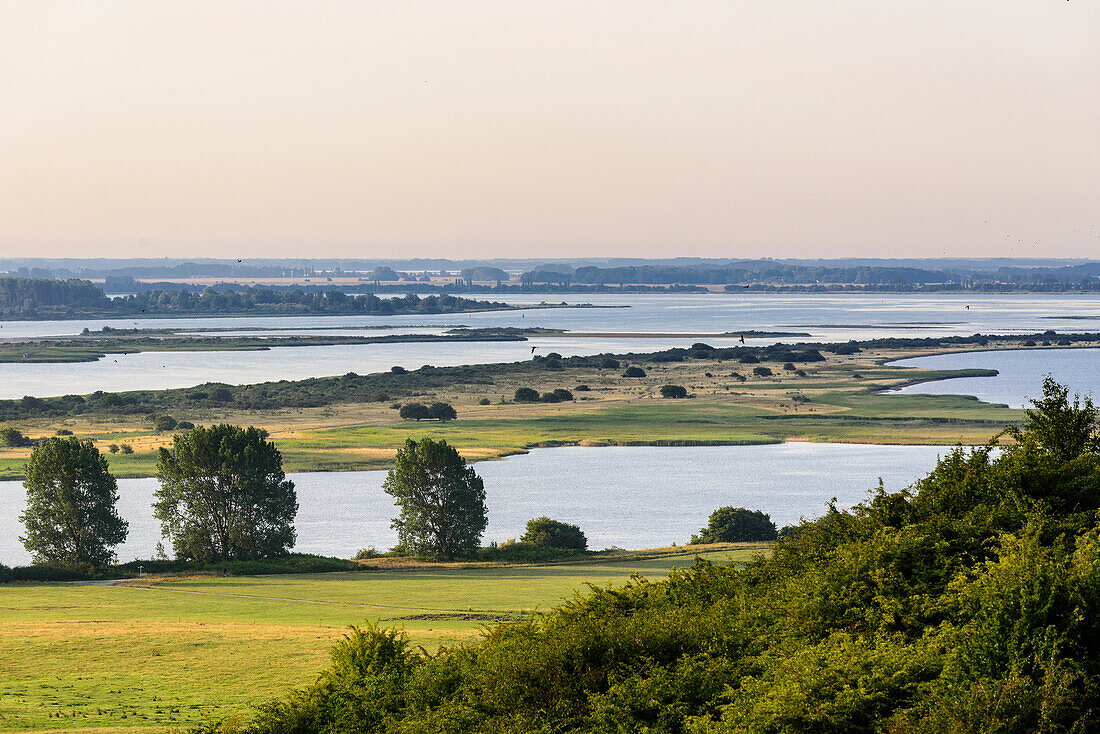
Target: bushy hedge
(968,603)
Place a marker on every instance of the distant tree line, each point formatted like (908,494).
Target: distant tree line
(43,299)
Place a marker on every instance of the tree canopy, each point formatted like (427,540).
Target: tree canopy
(71,519)
(969,602)
(442,500)
(547,533)
(736,525)
(223,495)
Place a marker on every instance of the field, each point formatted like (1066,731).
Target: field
(835,400)
(145,655)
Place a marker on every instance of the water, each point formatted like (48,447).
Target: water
(630,497)
(826,317)
(1020,377)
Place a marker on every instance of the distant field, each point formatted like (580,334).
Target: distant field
(142,656)
(836,400)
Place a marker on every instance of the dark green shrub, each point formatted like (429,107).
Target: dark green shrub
(13,438)
(582,388)
(748,358)
(526,395)
(556,396)
(633,372)
(442,412)
(185,425)
(113,448)
(762,371)
(398,370)
(126,448)
(673,391)
(485,401)
(607,363)
(164,422)
(736,525)
(414,412)
(546,533)
(63,432)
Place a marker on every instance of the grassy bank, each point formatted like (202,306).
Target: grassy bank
(838,399)
(145,655)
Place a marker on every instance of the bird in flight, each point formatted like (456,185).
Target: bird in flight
(533,349)
(742,338)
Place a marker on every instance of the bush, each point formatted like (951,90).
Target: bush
(736,525)
(442,412)
(185,425)
(546,533)
(762,372)
(673,391)
(126,448)
(414,412)
(607,363)
(13,438)
(113,448)
(556,396)
(485,401)
(62,432)
(582,388)
(849,348)
(526,395)
(398,370)
(634,372)
(164,422)
(748,358)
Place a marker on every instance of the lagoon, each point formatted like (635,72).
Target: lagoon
(629,497)
(1020,373)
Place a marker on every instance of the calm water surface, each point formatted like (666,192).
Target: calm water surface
(630,497)
(825,317)
(1021,373)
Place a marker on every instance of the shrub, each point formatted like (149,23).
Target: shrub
(673,391)
(634,372)
(126,448)
(164,422)
(736,525)
(442,412)
(62,432)
(485,401)
(398,370)
(526,395)
(414,412)
(582,388)
(185,425)
(607,363)
(14,438)
(748,358)
(546,533)
(556,396)
(762,372)
(849,348)
(789,366)
(113,448)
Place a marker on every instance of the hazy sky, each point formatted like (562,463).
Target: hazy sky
(477,129)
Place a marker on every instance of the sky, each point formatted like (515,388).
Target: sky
(731,128)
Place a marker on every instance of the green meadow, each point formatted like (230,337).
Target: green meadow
(153,654)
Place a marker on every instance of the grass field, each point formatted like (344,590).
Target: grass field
(149,655)
(836,400)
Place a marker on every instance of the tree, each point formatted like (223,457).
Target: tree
(223,495)
(70,517)
(414,412)
(736,525)
(547,533)
(673,391)
(164,422)
(442,500)
(1057,427)
(442,411)
(526,395)
(633,372)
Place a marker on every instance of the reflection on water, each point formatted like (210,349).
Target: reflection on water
(825,317)
(1020,377)
(630,497)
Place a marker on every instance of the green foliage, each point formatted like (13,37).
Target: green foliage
(736,525)
(762,371)
(126,448)
(13,438)
(442,500)
(968,603)
(70,518)
(673,391)
(526,395)
(164,422)
(546,533)
(558,395)
(435,411)
(223,496)
(633,372)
